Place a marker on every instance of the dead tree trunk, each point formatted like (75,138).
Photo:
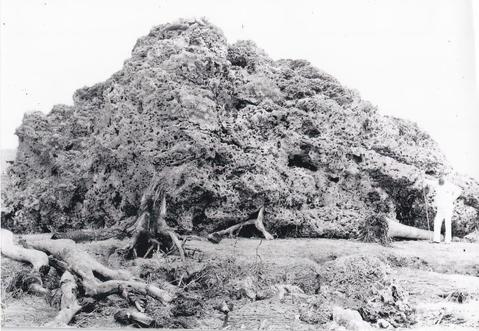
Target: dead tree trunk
(139,319)
(233,230)
(91,235)
(38,260)
(31,282)
(398,230)
(86,267)
(69,303)
(68,258)
(151,232)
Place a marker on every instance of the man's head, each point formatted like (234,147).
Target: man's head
(441,180)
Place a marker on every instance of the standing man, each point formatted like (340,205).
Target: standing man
(446,194)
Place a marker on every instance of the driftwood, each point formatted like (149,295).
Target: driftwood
(86,267)
(32,281)
(69,304)
(38,260)
(133,299)
(78,269)
(91,234)
(398,230)
(136,318)
(257,222)
(78,261)
(395,230)
(151,232)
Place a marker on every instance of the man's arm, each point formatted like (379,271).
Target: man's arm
(456,191)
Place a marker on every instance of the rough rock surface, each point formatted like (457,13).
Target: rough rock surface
(227,130)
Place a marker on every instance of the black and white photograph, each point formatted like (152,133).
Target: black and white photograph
(239,165)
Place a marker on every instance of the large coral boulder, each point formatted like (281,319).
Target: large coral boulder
(225,130)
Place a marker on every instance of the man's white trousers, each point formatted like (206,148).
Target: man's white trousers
(443,215)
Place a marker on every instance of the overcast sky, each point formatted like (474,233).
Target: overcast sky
(412,58)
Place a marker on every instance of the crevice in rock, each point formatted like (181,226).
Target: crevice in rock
(117,198)
(333,178)
(356,158)
(301,161)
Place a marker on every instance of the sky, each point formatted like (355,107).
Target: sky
(414,59)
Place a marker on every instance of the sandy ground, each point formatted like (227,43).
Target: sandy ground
(429,272)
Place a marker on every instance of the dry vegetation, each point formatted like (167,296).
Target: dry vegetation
(294,283)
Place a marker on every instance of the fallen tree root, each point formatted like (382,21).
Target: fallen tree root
(39,260)
(69,303)
(91,235)
(106,288)
(257,222)
(136,318)
(84,266)
(177,244)
(150,232)
(260,226)
(133,299)
(398,230)
(78,268)
(31,282)
(77,260)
